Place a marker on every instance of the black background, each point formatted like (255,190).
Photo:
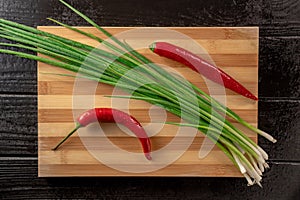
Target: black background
(279,93)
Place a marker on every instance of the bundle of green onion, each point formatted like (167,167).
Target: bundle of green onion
(148,82)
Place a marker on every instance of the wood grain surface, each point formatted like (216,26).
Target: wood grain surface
(235,50)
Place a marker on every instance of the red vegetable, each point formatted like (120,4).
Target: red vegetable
(201,66)
(113,115)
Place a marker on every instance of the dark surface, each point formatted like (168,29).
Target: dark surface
(279,93)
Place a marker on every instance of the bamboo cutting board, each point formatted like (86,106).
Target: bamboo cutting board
(235,50)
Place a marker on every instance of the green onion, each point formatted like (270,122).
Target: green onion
(129,70)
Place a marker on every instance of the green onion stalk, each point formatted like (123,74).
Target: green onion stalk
(123,67)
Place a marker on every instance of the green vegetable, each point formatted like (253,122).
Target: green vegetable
(129,70)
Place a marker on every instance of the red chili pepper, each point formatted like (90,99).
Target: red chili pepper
(112,115)
(201,66)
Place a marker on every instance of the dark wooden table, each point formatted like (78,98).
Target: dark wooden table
(279,93)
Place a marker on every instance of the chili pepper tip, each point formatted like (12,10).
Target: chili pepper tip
(252,96)
(148,156)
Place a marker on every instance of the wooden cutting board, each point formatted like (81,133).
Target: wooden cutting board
(235,50)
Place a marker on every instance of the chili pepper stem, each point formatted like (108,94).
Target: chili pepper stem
(69,135)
